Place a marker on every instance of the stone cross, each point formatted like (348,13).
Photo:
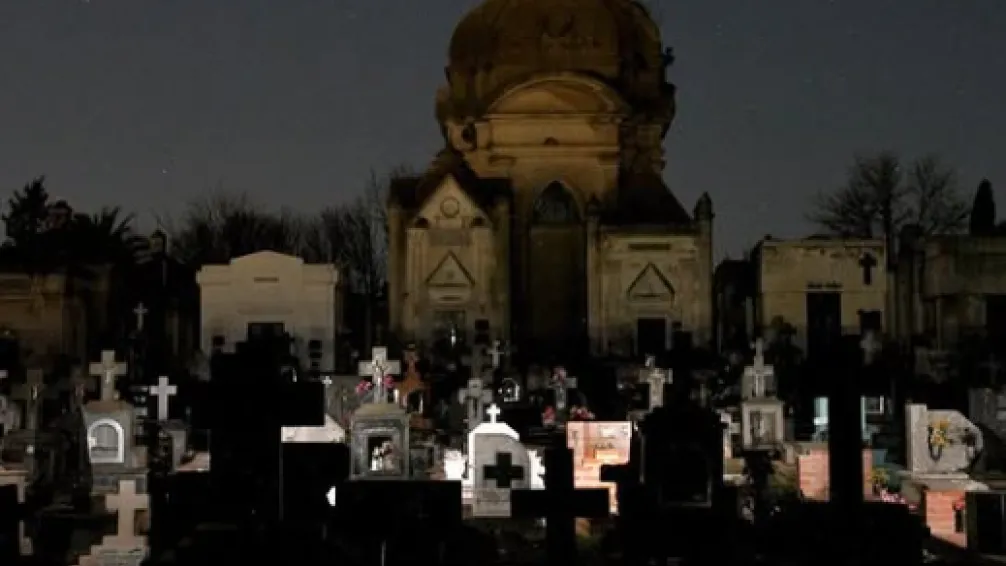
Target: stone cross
(562,384)
(108,370)
(125,504)
(496,353)
(163,391)
(655,378)
(868,262)
(475,397)
(993,366)
(759,371)
(29,394)
(377,368)
(870,346)
(494,412)
(140,311)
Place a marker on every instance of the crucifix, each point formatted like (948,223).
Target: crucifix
(378,368)
(868,263)
(655,378)
(163,391)
(140,311)
(870,346)
(475,397)
(993,366)
(108,370)
(561,384)
(125,504)
(496,353)
(29,393)
(759,372)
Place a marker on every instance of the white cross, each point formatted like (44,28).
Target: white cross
(657,378)
(125,504)
(163,391)
(494,413)
(108,369)
(758,371)
(140,311)
(377,368)
(870,346)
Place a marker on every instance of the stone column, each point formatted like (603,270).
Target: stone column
(703,214)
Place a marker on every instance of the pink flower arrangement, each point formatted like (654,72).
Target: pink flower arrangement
(548,417)
(888,497)
(363,387)
(581,414)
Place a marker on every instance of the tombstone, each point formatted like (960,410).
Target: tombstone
(475,398)
(498,463)
(378,368)
(762,423)
(141,312)
(655,378)
(414,396)
(561,384)
(940,442)
(109,424)
(379,430)
(125,547)
(30,394)
(510,391)
(596,444)
(163,391)
(758,380)
(560,504)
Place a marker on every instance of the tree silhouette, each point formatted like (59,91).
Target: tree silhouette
(983,211)
(879,198)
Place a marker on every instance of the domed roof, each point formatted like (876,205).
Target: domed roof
(502,42)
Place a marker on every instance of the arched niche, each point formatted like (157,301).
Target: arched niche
(555,205)
(106,442)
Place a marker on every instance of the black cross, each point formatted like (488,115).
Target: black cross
(868,262)
(503,471)
(560,504)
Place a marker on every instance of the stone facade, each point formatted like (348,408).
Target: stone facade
(545,218)
(950,287)
(271,293)
(822,287)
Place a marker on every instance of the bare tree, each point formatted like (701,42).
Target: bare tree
(223,225)
(879,198)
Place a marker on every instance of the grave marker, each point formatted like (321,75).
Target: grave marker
(561,384)
(377,368)
(126,503)
(475,397)
(498,463)
(655,378)
(29,393)
(163,391)
(108,370)
(757,375)
(140,311)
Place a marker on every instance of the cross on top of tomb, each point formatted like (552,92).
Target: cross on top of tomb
(868,263)
(494,412)
(759,370)
(35,382)
(140,311)
(379,368)
(475,397)
(163,391)
(561,384)
(108,369)
(870,346)
(125,504)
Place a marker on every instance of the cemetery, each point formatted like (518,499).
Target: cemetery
(522,355)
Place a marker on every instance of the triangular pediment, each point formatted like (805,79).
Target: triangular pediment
(449,203)
(650,285)
(450,274)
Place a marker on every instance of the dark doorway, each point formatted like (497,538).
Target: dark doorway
(651,336)
(824,322)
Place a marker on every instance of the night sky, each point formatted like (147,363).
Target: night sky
(145,103)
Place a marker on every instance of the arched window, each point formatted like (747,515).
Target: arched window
(555,205)
(106,442)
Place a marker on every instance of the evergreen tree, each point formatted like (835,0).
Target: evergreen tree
(27,212)
(983,211)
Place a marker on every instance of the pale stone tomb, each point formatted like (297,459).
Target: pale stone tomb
(498,463)
(379,432)
(940,442)
(272,293)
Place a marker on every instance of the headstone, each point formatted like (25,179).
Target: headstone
(379,438)
(125,547)
(655,379)
(109,425)
(140,311)
(597,444)
(561,384)
(108,370)
(758,380)
(496,354)
(498,463)
(163,391)
(511,391)
(30,394)
(475,398)
(378,368)
(940,442)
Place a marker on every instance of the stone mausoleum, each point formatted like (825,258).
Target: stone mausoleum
(545,218)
